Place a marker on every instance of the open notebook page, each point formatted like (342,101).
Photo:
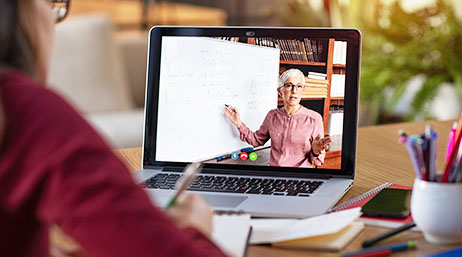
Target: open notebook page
(231,233)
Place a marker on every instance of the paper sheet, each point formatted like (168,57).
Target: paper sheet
(278,230)
(230,233)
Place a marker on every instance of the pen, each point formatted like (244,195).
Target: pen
(394,248)
(413,156)
(420,153)
(247,149)
(425,154)
(228,106)
(189,175)
(388,234)
(221,158)
(433,135)
(382,253)
(451,138)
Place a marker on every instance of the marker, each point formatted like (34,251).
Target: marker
(402,136)
(229,107)
(451,139)
(221,158)
(455,149)
(247,149)
(431,137)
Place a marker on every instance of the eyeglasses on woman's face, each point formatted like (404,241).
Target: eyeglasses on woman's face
(290,87)
(60,9)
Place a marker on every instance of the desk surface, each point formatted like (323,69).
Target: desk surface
(380,158)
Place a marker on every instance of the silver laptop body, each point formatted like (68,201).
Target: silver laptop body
(182,61)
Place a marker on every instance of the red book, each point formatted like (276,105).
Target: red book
(361,200)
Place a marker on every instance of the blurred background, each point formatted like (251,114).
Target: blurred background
(411,51)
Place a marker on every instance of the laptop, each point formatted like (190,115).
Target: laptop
(195,73)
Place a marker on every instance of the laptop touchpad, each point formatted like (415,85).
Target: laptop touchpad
(228,201)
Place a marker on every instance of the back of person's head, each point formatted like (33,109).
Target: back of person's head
(18,42)
(18,47)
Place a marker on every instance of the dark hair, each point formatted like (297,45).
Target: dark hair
(16,50)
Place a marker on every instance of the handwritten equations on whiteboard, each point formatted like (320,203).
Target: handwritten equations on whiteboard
(198,76)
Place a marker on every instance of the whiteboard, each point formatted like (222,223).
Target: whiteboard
(198,76)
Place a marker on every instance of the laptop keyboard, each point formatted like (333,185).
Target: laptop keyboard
(243,185)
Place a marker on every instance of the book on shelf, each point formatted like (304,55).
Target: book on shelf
(320,49)
(303,51)
(315,91)
(315,49)
(309,50)
(316,81)
(337,88)
(335,128)
(340,48)
(317,75)
(306,50)
(320,86)
(232,39)
(361,200)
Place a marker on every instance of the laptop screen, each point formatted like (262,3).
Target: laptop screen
(234,100)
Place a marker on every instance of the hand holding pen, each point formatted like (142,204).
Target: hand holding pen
(185,180)
(190,210)
(233,115)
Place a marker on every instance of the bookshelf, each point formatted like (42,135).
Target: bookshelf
(294,49)
(303,63)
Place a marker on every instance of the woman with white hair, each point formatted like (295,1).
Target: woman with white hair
(296,132)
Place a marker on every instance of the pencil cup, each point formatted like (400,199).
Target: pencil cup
(437,210)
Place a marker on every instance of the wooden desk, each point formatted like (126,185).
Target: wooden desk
(379,159)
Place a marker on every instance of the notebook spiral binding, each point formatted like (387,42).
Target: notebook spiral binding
(354,201)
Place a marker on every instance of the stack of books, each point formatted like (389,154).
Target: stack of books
(315,88)
(317,75)
(306,50)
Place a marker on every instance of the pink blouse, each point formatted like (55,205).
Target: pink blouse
(291,137)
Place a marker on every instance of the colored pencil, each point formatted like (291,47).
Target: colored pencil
(452,158)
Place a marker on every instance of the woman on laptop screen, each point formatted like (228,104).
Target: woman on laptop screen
(296,132)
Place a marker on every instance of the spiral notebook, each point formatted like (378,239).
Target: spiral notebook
(361,200)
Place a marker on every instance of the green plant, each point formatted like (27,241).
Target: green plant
(399,45)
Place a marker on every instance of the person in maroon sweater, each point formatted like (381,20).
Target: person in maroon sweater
(55,169)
